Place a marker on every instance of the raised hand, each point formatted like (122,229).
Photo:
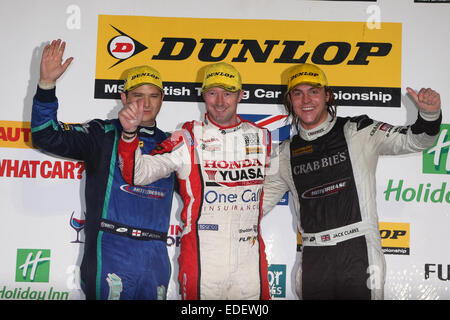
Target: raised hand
(131,114)
(51,63)
(426,100)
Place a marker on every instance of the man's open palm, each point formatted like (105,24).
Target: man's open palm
(51,63)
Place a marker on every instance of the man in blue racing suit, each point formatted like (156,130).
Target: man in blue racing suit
(125,254)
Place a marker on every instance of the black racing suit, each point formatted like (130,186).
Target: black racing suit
(331,172)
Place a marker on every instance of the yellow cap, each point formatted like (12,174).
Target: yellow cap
(306,73)
(222,75)
(138,76)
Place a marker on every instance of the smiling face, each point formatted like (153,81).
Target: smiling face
(221,105)
(152,97)
(309,104)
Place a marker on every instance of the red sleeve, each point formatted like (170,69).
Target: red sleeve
(126,159)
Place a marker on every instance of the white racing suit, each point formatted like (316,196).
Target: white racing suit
(220,173)
(330,170)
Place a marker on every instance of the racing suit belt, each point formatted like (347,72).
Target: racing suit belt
(135,233)
(334,236)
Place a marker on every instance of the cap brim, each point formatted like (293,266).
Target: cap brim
(220,85)
(311,83)
(141,84)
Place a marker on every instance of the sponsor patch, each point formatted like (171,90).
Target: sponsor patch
(208,227)
(300,151)
(326,189)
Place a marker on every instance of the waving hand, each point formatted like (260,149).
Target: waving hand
(52,66)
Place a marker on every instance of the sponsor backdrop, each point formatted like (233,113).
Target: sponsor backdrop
(370,50)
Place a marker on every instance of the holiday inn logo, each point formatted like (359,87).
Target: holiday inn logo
(436,159)
(401,191)
(33,265)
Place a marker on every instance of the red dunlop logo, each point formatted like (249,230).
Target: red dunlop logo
(41,169)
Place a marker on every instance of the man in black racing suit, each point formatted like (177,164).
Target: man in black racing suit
(329,167)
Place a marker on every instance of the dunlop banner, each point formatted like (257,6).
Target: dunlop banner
(363,65)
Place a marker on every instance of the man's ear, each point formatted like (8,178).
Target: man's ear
(288,97)
(241,94)
(123,97)
(327,95)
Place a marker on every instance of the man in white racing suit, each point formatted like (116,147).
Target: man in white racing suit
(329,167)
(220,164)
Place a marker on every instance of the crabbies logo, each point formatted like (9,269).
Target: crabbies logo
(363,65)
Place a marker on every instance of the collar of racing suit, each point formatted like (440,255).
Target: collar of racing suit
(147,130)
(223,130)
(318,131)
